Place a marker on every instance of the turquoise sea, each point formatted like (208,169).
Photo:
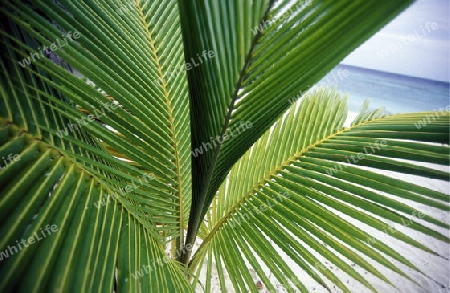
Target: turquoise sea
(397,93)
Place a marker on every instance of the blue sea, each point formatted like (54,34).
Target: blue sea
(397,93)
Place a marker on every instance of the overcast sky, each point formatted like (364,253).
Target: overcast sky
(410,46)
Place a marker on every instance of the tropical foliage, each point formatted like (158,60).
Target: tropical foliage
(102,125)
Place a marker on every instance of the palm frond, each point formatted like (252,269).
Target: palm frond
(98,142)
(113,216)
(127,57)
(266,53)
(286,192)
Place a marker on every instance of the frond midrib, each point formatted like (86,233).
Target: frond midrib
(206,183)
(17,131)
(177,159)
(268,176)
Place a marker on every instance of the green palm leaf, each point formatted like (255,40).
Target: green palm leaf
(130,64)
(267,52)
(117,215)
(103,135)
(289,194)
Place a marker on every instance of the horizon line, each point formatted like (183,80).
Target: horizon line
(393,73)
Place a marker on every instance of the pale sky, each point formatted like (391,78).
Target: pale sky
(416,43)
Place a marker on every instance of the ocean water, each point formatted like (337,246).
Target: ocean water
(397,93)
